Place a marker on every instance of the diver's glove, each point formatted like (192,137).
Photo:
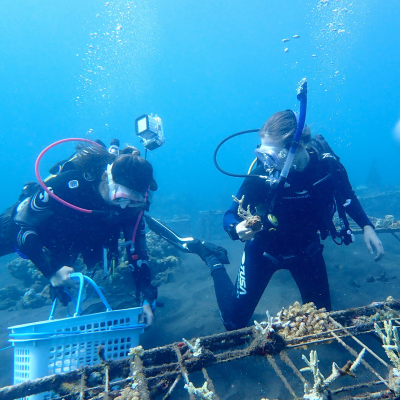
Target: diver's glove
(214,256)
(150,294)
(58,292)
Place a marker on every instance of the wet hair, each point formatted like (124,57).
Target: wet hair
(93,159)
(133,172)
(128,169)
(130,150)
(281,127)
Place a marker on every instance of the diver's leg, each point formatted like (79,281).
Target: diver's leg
(237,304)
(309,273)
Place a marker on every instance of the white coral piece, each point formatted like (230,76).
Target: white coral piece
(392,349)
(357,362)
(202,393)
(136,351)
(319,390)
(319,380)
(242,213)
(196,349)
(268,329)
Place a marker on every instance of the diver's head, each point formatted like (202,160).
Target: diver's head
(127,180)
(129,149)
(134,172)
(276,138)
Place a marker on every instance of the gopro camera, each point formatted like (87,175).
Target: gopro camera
(150,130)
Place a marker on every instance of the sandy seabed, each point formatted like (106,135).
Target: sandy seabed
(191,311)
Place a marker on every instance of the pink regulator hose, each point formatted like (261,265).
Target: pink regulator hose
(42,184)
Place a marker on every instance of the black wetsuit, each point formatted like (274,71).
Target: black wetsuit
(302,209)
(52,235)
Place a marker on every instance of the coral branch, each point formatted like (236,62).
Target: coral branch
(392,349)
(202,393)
(196,349)
(320,389)
(268,329)
(357,362)
(252,221)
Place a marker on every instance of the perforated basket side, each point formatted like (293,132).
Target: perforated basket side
(77,351)
(38,358)
(99,322)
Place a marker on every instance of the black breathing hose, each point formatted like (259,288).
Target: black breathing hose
(219,146)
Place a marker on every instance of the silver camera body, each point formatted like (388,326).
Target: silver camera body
(150,130)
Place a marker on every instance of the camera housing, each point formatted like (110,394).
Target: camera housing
(150,130)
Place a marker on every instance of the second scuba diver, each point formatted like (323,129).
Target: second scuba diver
(52,235)
(292,212)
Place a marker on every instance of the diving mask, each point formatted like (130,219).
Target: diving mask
(121,195)
(273,157)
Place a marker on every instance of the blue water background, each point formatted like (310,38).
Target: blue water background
(209,69)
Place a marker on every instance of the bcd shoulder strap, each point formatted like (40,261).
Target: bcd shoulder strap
(321,147)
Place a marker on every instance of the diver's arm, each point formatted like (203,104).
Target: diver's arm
(351,204)
(33,216)
(354,209)
(371,240)
(232,223)
(139,250)
(140,241)
(138,259)
(30,245)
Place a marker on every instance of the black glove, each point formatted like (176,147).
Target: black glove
(58,292)
(150,294)
(206,250)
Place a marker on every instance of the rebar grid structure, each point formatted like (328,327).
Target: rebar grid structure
(382,225)
(157,372)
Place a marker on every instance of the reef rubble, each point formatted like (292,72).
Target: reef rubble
(33,290)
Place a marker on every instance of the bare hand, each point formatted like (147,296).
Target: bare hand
(244,232)
(63,277)
(371,240)
(147,315)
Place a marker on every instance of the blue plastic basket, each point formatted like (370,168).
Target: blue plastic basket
(62,345)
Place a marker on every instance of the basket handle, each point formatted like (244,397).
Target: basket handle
(77,276)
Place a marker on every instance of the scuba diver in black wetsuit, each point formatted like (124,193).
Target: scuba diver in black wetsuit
(292,207)
(115,186)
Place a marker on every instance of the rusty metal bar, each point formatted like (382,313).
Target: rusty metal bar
(161,367)
(210,383)
(362,344)
(280,374)
(167,396)
(286,359)
(183,369)
(359,386)
(355,354)
(382,395)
